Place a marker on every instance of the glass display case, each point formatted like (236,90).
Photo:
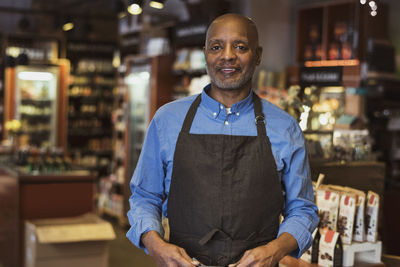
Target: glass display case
(36,97)
(138,83)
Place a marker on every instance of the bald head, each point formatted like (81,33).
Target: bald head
(244,21)
(232,53)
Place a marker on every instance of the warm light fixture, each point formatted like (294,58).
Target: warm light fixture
(134,7)
(372,3)
(159,4)
(68,25)
(35,76)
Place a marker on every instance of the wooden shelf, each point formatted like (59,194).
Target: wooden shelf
(322,26)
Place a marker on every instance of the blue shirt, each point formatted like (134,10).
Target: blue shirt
(152,177)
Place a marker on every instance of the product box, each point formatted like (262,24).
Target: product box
(328,206)
(347,211)
(371,216)
(359,228)
(66,242)
(330,249)
(311,255)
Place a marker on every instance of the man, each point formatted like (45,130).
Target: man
(221,171)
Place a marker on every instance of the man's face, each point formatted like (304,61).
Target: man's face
(231,54)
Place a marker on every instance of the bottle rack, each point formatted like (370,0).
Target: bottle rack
(113,188)
(90,98)
(337,30)
(131,116)
(36,117)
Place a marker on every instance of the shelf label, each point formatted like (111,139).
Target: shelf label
(190,34)
(322,76)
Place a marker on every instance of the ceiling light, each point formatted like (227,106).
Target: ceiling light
(374,13)
(363,2)
(68,26)
(134,7)
(372,3)
(159,4)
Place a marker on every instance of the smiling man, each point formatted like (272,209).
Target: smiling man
(222,166)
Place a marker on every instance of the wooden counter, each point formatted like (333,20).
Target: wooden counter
(292,262)
(24,196)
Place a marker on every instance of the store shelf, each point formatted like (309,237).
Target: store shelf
(107,152)
(89,132)
(89,116)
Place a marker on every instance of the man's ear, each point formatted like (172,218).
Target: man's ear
(259,51)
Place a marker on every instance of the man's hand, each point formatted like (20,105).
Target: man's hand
(268,255)
(166,254)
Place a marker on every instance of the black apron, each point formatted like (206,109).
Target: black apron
(225,195)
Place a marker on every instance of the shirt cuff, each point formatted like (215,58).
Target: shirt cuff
(141,227)
(300,232)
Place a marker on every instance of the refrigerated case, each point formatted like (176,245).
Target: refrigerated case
(138,84)
(144,86)
(35,99)
(35,95)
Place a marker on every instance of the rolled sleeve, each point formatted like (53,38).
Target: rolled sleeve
(300,212)
(147,186)
(300,229)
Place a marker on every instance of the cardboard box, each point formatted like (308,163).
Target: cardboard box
(66,242)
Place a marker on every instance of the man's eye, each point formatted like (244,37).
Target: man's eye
(241,47)
(215,47)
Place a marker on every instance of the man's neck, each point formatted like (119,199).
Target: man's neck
(228,97)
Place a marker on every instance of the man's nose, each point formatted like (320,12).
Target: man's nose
(229,53)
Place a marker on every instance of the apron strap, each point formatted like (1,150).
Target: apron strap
(259,115)
(190,115)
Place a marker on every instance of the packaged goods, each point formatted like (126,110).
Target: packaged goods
(371,216)
(359,228)
(330,249)
(311,255)
(338,188)
(328,205)
(347,210)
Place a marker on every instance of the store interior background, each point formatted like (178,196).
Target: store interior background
(103,35)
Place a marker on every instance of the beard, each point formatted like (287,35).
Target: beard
(231,83)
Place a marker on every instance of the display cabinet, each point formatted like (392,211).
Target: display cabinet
(338,30)
(90,104)
(36,96)
(143,87)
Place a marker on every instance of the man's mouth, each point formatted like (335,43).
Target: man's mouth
(228,70)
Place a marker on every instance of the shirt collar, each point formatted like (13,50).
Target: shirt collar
(215,107)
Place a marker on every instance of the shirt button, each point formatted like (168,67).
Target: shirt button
(221,107)
(237,113)
(226,123)
(215,114)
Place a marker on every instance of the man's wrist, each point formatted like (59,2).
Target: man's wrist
(151,240)
(284,245)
